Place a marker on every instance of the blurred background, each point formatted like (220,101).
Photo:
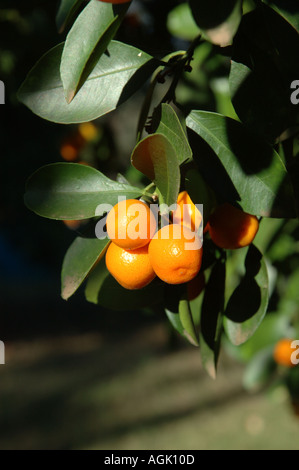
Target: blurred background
(78,376)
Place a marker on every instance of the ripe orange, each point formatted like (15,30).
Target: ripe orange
(283,351)
(132,269)
(231,228)
(196,286)
(176,254)
(131,224)
(186,212)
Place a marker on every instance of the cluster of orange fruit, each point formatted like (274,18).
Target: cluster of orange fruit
(173,252)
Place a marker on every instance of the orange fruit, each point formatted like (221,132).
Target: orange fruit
(176,254)
(71,146)
(196,286)
(132,269)
(88,131)
(131,224)
(283,351)
(231,228)
(72,224)
(186,212)
(69,152)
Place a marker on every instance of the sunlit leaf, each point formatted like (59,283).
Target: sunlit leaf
(156,158)
(118,74)
(79,259)
(97,24)
(168,124)
(73,191)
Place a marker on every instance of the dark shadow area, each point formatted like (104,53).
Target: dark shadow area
(239,311)
(264,66)
(212,169)
(138,79)
(212,305)
(212,14)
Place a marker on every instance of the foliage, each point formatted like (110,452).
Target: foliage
(223,127)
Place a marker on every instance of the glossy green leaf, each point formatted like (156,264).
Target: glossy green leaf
(166,122)
(97,24)
(66,12)
(121,70)
(186,320)
(73,191)
(248,303)
(218,21)
(211,318)
(259,370)
(178,312)
(258,60)
(103,289)
(251,171)
(175,320)
(180,23)
(79,260)
(156,158)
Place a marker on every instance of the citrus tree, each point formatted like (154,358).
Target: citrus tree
(217,136)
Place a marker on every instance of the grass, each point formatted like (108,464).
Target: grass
(85,392)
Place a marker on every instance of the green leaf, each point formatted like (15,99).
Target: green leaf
(218,21)
(211,318)
(259,59)
(66,12)
(187,321)
(175,320)
(259,370)
(166,122)
(252,173)
(80,258)
(73,191)
(178,312)
(103,289)
(156,158)
(248,303)
(122,70)
(180,23)
(288,9)
(97,24)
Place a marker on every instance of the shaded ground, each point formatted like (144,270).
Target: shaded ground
(85,392)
